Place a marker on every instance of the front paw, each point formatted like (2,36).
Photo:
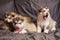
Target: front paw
(46,31)
(38,30)
(53,29)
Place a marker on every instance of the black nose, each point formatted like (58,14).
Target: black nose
(46,13)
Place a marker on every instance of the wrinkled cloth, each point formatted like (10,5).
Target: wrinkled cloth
(7,35)
(30,8)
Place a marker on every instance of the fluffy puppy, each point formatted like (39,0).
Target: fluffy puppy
(9,16)
(23,25)
(18,24)
(44,21)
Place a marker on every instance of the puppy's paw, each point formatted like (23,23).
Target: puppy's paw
(23,31)
(53,29)
(46,31)
(16,31)
(38,30)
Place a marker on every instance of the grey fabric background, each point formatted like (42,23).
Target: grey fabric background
(30,8)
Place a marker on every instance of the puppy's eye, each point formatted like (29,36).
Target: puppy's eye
(13,15)
(10,18)
(22,20)
(44,11)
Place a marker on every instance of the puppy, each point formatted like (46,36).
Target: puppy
(9,16)
(23,25)
(19,25)
(44,21)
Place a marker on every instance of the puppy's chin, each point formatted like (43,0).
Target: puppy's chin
(18,27)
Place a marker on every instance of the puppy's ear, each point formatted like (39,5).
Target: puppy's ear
(13,13)
(40,9)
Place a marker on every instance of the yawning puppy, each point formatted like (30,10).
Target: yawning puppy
(44,21)
(19,25)
(9,16)
(24,25)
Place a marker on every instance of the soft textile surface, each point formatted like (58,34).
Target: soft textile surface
(7,35)
(30,8)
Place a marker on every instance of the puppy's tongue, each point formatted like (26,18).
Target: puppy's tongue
(45,17)
(17,28)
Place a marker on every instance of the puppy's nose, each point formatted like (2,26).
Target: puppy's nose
(46,13)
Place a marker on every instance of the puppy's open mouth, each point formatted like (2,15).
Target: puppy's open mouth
(45,16)
(17,28)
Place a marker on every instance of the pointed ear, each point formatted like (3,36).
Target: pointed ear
(40,9)
(13,13)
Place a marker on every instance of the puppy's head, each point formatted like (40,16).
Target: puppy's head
(9,16)
(18,23)
(17,20)
(44,11)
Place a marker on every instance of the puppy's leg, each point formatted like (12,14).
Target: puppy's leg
(53,26)
(23,31)
(53,29)
(38,29)
(16,31)
(46,30)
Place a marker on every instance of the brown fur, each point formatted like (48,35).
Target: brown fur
(3,25)
(9,16)
(29,26)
